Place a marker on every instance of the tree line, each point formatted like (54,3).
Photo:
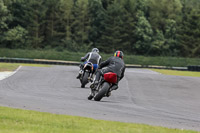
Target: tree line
(140,27)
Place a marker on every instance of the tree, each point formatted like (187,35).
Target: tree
(16,37)
(143,34)
(145,27)
(36,22)
(164,16)
(54,23)
(96,15)
(189,31)
(143,31)
(171,46)
(4,16)
(106,3)
(30,15)
(160,11)
(128,26)
(158,43)
(80,25)
(111,34)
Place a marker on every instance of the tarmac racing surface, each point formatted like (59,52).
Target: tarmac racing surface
(144,96)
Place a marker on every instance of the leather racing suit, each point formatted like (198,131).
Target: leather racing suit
(113,64)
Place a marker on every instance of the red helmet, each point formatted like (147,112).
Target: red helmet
(119,54)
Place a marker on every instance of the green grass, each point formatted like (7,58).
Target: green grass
(14,66)
(178,73)
(8,67)
(72,56)
(162,61)
(41,54)
(24,121)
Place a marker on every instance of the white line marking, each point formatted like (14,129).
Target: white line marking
(4,75)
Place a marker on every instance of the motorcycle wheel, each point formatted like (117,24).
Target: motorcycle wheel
(84,80)
(102,92)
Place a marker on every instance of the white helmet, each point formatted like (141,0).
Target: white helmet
(95,50)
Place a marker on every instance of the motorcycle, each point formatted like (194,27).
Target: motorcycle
(86,74)
(105,86)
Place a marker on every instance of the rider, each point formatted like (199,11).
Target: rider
(92,57)
(114,64)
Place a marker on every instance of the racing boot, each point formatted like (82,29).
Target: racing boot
(91,95)
(108,94)
(93,86)
(79,74)
(114,87)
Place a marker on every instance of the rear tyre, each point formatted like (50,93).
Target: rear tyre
(84,80)
(102,92)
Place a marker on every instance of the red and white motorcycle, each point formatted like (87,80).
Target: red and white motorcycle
(105,86)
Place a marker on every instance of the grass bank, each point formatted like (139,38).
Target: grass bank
(24,121)
(14,66)
(178,73)
(71,56)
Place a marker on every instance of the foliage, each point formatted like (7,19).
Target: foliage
(143,34)
(4,17)
(111,34)
(16,38)
(189,31)
(141,27)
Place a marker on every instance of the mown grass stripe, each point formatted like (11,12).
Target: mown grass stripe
(178,73)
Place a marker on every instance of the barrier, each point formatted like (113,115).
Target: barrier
(193,68)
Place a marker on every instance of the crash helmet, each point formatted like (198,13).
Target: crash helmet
(119,54)
(95,50)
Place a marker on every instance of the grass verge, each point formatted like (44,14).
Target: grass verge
(178,73)
(73,56)
(14,66)
(24,121)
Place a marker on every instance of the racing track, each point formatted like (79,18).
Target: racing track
(144,96)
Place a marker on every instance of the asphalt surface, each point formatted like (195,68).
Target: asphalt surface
(143,96)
